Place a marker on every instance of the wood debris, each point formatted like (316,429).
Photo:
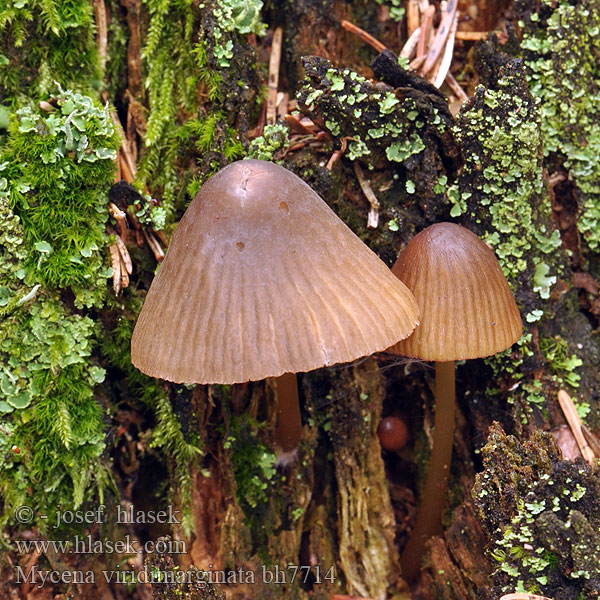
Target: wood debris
(574,422)
(363,35)
(439,42)
(365,186)
(273,82)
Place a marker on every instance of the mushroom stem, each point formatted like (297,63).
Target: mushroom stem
(289,426)
(429,515)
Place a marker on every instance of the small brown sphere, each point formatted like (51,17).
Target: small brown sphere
(393,434)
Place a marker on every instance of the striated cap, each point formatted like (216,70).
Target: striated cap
(467,308)
(262,278)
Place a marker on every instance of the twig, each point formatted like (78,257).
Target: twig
(475,36)
(297,126)
(306,141)
(365,186)
(154,246)
(364,36)
(124,253)
(124,273)
(337,154)
(124,142)
(417,62)
(574,422)
(426,24)
(446,61)
(282,104)
(273,85)
(115,262)
(101,29)
(455,87)
(412,17)
(440,37)
(121,218)
(411,44)
(592,440)
(162,237)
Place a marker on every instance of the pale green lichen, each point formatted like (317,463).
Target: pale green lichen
(375,123)
(509,187)
(272,144)
(57,169)
(560,45)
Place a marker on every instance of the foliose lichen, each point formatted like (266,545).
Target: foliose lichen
(377,122)
(55,170)
(560,46)
(271,144)
(501,185)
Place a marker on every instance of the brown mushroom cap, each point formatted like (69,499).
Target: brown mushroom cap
(262,278)
(467,308)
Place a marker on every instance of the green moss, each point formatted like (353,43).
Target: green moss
(253,464)
(43,41)
(47,397)
(56,171)
(58,168)
(196,94)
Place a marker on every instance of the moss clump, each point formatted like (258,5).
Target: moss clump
(197,95)
(540,515)
(47,400)
(560,49)
(43,41)
(58,168)
(253,465)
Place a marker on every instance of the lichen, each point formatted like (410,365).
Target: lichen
(376,122)
(501,185)
(560,48)
(271,144)
(56,170)
(540,515)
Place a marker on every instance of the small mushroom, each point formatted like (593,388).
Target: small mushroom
(467,311)
(393,433)
(262,279)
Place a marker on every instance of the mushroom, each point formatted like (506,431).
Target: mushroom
(393,433)
(467,311)
(262,279)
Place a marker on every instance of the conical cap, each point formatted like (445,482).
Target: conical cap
(467,308)
(262,278)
